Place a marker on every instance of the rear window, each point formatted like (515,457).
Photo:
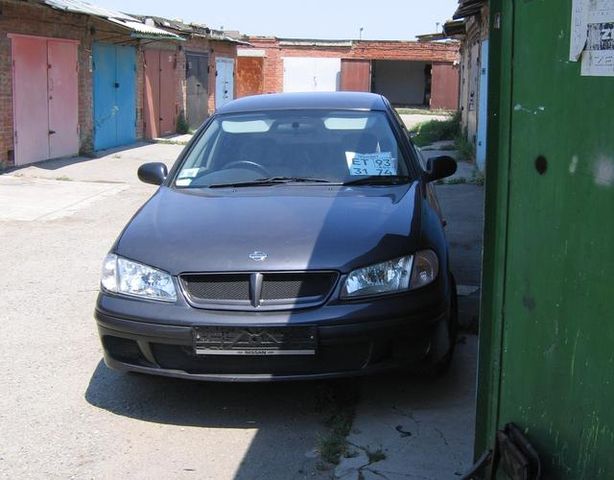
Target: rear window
(333,146)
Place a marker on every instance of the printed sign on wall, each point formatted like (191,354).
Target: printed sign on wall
(592,37)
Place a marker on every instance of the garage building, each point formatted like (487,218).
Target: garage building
(420,74)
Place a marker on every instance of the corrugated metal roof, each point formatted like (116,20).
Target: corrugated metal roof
(468,8)
(78,6)
(138,28)
(192,29)
(142,30)
(312,42)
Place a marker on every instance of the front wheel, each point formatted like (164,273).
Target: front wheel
(443,342)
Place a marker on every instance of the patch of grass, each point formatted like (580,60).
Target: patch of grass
(478,178)
(437,130)
(64,178)
(465,148)
(163,141)
(455,181)
(331,448)
(337,402)
(376,455)
(422,111)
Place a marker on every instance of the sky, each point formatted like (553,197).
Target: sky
(330,19)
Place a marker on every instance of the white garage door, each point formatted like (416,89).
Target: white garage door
(305,74)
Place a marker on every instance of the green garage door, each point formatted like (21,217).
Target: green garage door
(547,338)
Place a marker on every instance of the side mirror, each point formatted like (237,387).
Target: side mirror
(440,167)
(153,173)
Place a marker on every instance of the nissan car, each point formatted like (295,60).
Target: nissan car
(297,236)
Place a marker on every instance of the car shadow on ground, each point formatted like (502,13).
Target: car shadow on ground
(288,417)
(194,403)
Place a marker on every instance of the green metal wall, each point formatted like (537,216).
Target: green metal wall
(547,333)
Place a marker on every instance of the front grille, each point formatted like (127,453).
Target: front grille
(284,286)
(218,287)
(270,290)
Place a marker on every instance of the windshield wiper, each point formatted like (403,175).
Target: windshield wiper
(378,180)
(270,181)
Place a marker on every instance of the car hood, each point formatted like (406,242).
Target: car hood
(297,227)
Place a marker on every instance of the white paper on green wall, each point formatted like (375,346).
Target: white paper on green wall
(592,36)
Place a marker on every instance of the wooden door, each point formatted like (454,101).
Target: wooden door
(355,75)
(167,94)
(151,104)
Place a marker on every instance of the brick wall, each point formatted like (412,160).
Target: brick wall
(27,19)
(430,52)
(32,19)
(250,76)
(214,49)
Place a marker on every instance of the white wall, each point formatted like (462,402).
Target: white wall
(308,74)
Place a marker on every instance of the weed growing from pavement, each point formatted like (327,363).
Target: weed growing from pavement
(182,124)
(64,178)
(376,456)
(337,402)
(464,147)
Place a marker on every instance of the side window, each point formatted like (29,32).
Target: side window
(414,150)
(401,122)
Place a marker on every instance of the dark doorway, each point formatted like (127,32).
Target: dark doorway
(197,77)
(401,82)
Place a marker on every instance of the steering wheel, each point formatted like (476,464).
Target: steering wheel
(249,164)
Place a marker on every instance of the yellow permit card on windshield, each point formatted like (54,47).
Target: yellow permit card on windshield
(372,164)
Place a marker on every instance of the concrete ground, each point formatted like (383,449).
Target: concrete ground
(424,429)
(65,415)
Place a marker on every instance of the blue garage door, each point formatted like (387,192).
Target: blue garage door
(114,95)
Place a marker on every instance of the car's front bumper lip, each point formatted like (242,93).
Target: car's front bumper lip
(246,377)
(414,327)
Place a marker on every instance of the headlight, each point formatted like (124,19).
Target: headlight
(384,277)
(405,273)
(136,280)
(425,269)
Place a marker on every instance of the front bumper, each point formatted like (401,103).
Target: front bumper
(353,338)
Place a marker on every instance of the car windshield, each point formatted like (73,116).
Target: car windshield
(311,147)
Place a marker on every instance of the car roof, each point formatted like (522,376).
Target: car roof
(314,100)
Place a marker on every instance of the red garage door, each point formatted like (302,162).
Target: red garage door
(444,87)
(356,75)
(45,98)
(159,102)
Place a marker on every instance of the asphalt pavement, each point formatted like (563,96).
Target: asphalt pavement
(63,414)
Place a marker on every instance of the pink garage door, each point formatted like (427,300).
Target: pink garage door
(45,103)
(159,92)
(63,99)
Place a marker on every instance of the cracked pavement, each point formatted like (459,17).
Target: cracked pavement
(426,428)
